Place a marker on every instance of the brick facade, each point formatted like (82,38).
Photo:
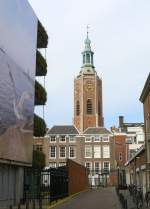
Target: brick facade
(88,87)
(78,178)
(121,149)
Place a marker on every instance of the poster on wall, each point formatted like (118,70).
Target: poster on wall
(18,37)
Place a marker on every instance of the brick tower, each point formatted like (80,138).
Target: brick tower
(88,111)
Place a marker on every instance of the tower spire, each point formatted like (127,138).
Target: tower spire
(87,53)
(87,27)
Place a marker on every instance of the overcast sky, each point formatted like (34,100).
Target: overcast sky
(120,36)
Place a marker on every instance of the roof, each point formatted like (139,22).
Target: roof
(133,124)
(139,151)
(65,129)
(146,89)
(94,130)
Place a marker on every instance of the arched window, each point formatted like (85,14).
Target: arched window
(89,106)
(99,107)
(87,58)
(78,108)
(84,59)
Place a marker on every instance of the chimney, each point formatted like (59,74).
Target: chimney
(121,121)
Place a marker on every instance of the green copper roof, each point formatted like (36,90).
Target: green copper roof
(87,43)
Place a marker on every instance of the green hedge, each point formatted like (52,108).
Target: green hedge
(39,126)
(40,94)
(38,161)
(42,37)
(41,65)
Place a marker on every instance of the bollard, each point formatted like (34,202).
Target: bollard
(27,205)
(33,204)
(40,203)
(10,207)
(19,206)
(126,204)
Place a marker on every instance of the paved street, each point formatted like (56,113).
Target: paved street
(103,198)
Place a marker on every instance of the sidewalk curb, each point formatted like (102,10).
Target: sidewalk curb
(61,201)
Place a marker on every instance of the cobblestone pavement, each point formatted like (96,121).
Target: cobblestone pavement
(103,198)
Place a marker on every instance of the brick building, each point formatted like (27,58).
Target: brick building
(136,169)
(145,99)
(93,149)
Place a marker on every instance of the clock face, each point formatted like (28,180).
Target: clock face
(89,86)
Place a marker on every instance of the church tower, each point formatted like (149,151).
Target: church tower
(88,111)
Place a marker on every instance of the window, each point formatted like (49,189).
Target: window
(97,151)
(87,58)
(88,166)
(38,147)
(62,164)
(106,152)
(106,167)
(120,156)
(88,139)
(84,59)
(72,152)
(52,151)
(78,108)
(99,108)
(62,138)
(97,167)
(88,151)
(53,139)
(105,138)
(97,138)
(89,106)
(67,138)
(52,165)
(62,152)
(72,139)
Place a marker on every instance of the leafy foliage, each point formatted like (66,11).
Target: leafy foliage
(39,126)
(40,94)
(41,65)
(42,37)
(38,160)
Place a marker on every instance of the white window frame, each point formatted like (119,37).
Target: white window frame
(51,139)
(104,137)
(59,152)
(106,162)
(91,151)
(87,141)
(90,165)
(97,146)
(60,164)
(60,139)
(99,166)
(74,152)
(50,152)
(99,138)
(74,139)
(67,137)
(52,163)
(103,151)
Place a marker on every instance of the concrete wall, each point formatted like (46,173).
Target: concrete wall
(11,184)
(78,178)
